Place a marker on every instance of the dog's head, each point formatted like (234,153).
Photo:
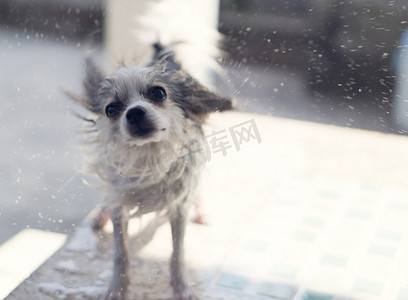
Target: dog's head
(139,105)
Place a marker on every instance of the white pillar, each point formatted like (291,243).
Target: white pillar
(125,46)
(120,40)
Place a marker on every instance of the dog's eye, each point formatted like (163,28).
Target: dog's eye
(113,109)
(157,93)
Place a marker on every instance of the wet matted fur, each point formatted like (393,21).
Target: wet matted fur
(145,145)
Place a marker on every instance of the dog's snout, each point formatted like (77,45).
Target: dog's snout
(136,115)
(139,122)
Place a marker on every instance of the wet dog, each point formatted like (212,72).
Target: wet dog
(145,144)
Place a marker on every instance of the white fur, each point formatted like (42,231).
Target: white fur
(186,25)
(144,172)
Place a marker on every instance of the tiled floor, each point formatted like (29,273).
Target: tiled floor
(306,212)
(324,240)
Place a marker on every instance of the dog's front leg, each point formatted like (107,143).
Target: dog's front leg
(119,280)
(181,290)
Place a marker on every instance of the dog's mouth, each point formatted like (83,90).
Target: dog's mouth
(140,136)
(144,132)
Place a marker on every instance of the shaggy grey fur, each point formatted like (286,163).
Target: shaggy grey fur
(147,151)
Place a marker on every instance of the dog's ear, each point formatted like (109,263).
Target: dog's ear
(196,100)
(163,58)
(202,101)
(93,78)
(92,84)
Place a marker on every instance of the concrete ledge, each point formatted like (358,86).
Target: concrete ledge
(23,254)
(307,210)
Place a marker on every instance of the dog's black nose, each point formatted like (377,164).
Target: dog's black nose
(135,115)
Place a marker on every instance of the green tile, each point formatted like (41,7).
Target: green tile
(399,205)
(390,235)
(358,213)
(304,236)
(314,221)
(304,176)
(311,295)
(329,194)
(371,188)
(382,250)
(233,281)
(284,270)
(277,290)
(402,294)
(334,260)
(368,286)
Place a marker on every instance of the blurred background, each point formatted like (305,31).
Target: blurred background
(336,62)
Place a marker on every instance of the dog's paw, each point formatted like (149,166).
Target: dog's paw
(200,219)
(186,294)
(115,294)
(99,218)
